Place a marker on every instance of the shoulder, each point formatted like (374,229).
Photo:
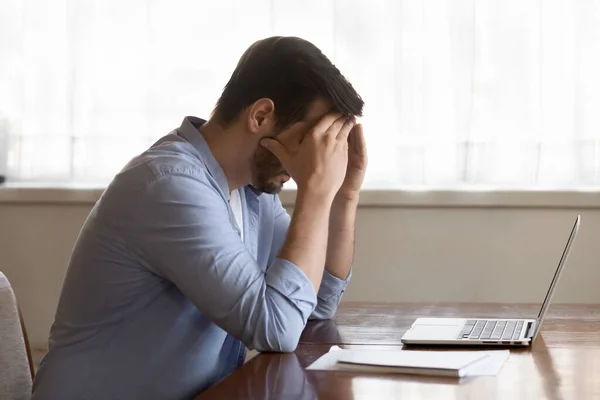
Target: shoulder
(170,156)
(171,168)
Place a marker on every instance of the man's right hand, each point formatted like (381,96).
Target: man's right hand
(319,163)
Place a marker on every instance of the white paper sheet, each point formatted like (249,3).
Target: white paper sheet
(489,366)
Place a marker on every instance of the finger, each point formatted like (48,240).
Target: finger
(336,127)
(325,123)
(345,130)
(351,138)
(358,139)
(278,149)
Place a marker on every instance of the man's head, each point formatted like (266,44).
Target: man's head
(283,84)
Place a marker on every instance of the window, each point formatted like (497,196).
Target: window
(486,93)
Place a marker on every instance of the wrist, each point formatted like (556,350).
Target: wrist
(313,195)
(347,196)
(343,210)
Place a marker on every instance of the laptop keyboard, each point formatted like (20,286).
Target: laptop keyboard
(491,330)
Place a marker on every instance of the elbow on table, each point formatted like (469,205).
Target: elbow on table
(281,341)
(286,346)
(323,313)
(280,320)
(280,332)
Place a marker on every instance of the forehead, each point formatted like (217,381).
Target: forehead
(317,110)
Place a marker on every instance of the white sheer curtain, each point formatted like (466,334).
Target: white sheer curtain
(493,93)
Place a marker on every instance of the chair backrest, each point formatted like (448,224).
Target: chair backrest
(16,368)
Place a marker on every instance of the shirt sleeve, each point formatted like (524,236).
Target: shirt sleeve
(331,289)
(185,234)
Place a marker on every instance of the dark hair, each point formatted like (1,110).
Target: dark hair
(290,71)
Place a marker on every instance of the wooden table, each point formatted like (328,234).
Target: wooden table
(564,362)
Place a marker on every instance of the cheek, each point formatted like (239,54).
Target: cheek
(265,165)
(266,160)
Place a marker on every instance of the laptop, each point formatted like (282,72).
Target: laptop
(486,331)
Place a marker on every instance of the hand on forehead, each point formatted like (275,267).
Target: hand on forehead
(293,136)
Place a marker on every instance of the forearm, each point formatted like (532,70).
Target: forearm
(306,242)
(340,243)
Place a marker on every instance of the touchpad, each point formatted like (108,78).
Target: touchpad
(434,331)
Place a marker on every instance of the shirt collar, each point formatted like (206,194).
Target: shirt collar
(189,130)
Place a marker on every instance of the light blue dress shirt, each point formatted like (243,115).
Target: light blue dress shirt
(161,296)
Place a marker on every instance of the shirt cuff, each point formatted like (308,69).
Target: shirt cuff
(332,285)
(289,280)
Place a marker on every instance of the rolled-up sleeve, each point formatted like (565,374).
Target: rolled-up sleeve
(331,289)
(329,296)
(186,236)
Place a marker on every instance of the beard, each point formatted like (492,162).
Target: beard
(268,174)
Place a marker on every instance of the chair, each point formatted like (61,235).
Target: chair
(16,366)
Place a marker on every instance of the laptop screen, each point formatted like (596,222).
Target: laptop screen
(556,278)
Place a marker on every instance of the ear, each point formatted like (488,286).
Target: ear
(261,117)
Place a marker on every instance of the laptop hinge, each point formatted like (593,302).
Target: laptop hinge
(530,329)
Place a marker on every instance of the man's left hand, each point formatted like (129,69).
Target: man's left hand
(357,164)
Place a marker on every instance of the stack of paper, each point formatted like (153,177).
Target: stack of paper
(440,363)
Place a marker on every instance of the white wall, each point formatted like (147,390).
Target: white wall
(402,254)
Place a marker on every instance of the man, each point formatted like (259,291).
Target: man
(188,259)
